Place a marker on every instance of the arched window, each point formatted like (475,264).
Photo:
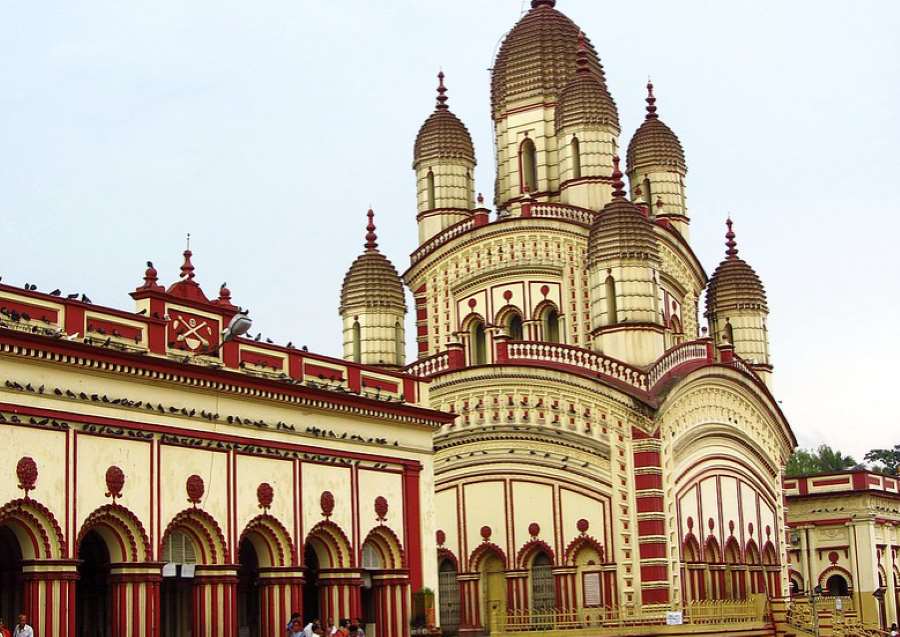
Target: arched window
(448,588)
(796,585)
(371,558)
(543,592)
(648,195)
(514,326)
(729,333)
(576,158)
(357,343)
(550,322)
(399,345)
(477,343)
(179,549)
(528,166)
(612,310)
(429,184)
(469,187)
(836,586)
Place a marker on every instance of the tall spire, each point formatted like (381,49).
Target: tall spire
(371,237)
(651,102)
(442,90)
(581,58)
(618,185)
(731,252)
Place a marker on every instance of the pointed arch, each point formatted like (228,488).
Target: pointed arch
(690,549)
(612,309)
(474,324)
(270,540)
(121,531)
(357,342)
(532,548)
(331,545)
(580,542)
(576,157)
(528,173)
(769,554)
(510,317)
(204,531)
(386,542)
(751,553)
(711,550)
(482,551)
(446,555)
(429,189)
(732,551)
(830,572)
(35,527)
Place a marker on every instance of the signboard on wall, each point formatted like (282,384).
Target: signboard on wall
(592,589)
(674,618)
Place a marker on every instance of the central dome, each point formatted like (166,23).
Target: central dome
(537,57)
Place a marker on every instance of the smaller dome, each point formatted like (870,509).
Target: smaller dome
(443,135)
(585,101)
(734,284)
(621,229)
(372,280)
(654,143)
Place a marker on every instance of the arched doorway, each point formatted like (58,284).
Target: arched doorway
(176,603)
(11,582)
(836,586)
(543,590)
(248,590)
(448,589)
(311,588)
(372,563)
(493,582)
(92,607)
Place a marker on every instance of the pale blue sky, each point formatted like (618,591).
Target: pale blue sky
(267,128)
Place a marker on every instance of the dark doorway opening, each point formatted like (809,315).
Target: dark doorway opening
(92,608)
(311,587)
(11,582)
(248,590)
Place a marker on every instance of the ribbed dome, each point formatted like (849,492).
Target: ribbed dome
(734,284)
(654,143)
(443,135)
(537,57)
(585,101)
(621,229)
(372,280)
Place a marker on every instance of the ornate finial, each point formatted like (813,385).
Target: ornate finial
(187,268)
(581,58)
(651,101)
(543,3)
(442,90)
(732,250)
(224,294)
(480,199)
(618,185)
(371,237)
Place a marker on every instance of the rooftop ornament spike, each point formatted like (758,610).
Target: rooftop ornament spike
(371,237)
(618,185)
(187,268)
(543,3)
(651,102)
(581,58)
(442,93)
(731,252)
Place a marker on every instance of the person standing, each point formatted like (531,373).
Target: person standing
(22,629)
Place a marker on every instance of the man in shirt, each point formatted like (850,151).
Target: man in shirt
(23,629)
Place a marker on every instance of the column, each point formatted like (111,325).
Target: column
(654,567)
(469,603)
(280,594)
(49,596)
(134,599)
(339,594)
(517,591)
(566,594)
(391,591)
(215,601)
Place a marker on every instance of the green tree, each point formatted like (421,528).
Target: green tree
(888,460)
(823,459)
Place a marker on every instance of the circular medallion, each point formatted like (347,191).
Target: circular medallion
(486,533)
(534,529)
(265,494)
(381,507)
(115,480)
(195,489)
(27,473)
(440,537)
(582,525)
(326,501)
(833,557)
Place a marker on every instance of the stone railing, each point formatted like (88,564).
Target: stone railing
(714,613)
(430,366)
(692,351)
(570,356)
(566,213)
(445,235)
